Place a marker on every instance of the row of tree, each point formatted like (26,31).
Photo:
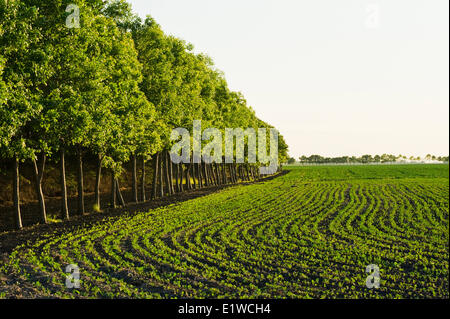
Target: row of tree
(115,88)
(365,159)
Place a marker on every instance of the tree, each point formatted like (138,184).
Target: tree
(78,101)
(20,113)
(114,88)
(366,159)
(7,127)
(121,12)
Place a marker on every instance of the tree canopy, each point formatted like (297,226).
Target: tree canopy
(114,86)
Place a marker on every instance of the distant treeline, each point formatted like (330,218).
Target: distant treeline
(365,159)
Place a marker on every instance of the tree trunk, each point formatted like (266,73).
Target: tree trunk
(230,171)
(64,207)
(205,175)
(119,193)
(39,173)
(217,174)
(212,175)
(155,175)
(188,177)
(16,195)
(161,175)
(143,180)
(113,202)
(224,173)
(170,173)
(246,172)
(80,183)
(166,173)
(177,177)
(199,175)
(217,171)
(252,172)
(98,177)
(181,178)
(165,170)
(134,179)
(194,175)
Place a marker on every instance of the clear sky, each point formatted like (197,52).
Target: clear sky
(347,77)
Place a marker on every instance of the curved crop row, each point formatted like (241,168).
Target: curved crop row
(289,237)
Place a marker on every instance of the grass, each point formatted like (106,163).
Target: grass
(308,234)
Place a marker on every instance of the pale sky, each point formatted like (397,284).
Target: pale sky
(347,77)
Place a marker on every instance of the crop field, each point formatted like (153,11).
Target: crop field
(310,233)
